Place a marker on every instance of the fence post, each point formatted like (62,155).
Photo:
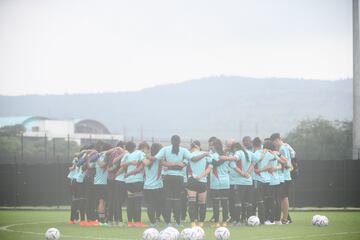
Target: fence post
(45,145)
(16,182)
(57,181)
(22,147)
(68,146)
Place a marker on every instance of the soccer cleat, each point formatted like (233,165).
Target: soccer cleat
(278,223)
(71,222)
(84,223)
(94,223)
(131,224)
(103,224)
(139,224)
(267,222)
(283,221)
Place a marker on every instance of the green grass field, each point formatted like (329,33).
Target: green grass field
(29,225)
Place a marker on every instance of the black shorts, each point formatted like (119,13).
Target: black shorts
(173,187)
(220,194)
(261,191)
(100,191)
(79,190)
(243,193)
(284,189)
(274,191)
(135,187)
(153,195)
(196,186)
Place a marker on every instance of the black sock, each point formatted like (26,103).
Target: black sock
(237,212)
(225,209)
(167,211)
(261,211)
(137,208)
(216,209)
(177,210)
(130,209)
(101,217)
(192,208)
(73,210)
(202,211)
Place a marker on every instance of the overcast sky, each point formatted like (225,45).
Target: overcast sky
(78,46)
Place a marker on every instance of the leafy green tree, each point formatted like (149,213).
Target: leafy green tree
(320,139)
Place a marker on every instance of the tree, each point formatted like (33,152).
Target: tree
(320,139)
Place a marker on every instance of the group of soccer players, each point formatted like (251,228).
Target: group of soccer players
(243,179)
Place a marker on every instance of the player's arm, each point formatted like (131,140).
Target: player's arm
(198,158)
(204,173)
(138,169)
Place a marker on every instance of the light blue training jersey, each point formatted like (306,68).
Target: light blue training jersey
(285,151)
(137,156)
(243,163)
(196,168)
(153,179)
(166,154)
(219,176)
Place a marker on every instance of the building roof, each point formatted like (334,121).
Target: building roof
(10,121)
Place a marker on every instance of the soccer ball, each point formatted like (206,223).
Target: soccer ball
(52,234)
(323,221)
(199,233)
(187,234)
(222,233)
(166,235)
(253,221)
(173,232)
(150,234)
(315,220)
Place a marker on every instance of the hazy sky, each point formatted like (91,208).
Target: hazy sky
(70,46)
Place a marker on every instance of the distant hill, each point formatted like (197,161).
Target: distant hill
(222,106)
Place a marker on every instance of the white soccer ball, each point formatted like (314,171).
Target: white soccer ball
(315,220)
(187,234)
(165,235)
(52,234)
(323,221)
(199,233)
(222,233)
(173,232)
(253,221)
(151,234)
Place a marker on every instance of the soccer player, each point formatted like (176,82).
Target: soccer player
(261,178)
(74,201)
(134,179)
(229,152)
(219,183)
(198,168)
(240,172)
(100,184)
(117,191)
(153,184)
(273,202)
(285,159)
(87,156)
(173,158)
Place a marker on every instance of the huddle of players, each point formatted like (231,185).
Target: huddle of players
(243,179)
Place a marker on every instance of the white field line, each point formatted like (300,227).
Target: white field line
(7,229)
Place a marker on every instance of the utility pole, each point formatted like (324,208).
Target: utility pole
(356,81)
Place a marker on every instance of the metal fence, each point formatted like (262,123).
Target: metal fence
(33,172)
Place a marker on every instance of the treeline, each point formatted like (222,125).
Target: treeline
(313,139)
(321,139)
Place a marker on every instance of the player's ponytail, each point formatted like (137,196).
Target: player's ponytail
(175,142)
